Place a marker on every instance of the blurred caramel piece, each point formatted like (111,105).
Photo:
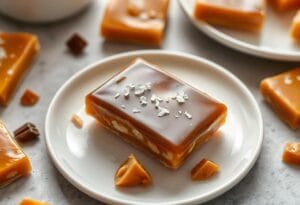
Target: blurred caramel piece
(291,154)
(282,93)
(139,21)
(13,162)
(295,29)
(16,54)
(28,201)
(246,15)
(205,169)
(132,173)
(285,5)
(29,98)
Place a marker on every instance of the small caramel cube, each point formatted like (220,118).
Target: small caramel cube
(28,201)
(17,51)
(205,169)
(285,5)
(291,154)
(13,162)
(139,21)
(246,15)
(295,29)
(132,173)
(282,93)
(29,98)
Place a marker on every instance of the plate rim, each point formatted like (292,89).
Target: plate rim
(102,197)
(239,45)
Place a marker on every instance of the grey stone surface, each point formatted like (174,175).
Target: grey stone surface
(269,182)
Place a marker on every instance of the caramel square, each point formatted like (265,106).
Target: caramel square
(282,92)
(139,21)
(13,162)
(155,111)
(17,51)
(246,15)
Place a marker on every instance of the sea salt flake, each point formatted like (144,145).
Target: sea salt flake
(188,115)
(126,92)
(117,95)
(180,99)
(298,77)
(131,86)
(3,54)
(148,86)
(157,104)
(135,110)
(143,101)
(163,112)
(153,98)
(123,106)
(288,80)
(139,90)
(179,112)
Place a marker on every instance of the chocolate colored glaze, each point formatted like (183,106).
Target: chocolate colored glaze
(175,133)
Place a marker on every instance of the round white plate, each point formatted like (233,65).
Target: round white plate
(89,157)
(273,42)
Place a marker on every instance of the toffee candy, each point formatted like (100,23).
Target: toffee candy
(282,93)
(241,14)
(139,21)
(13,162)
(17,51)
(153,110)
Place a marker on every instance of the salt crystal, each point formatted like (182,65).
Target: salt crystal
(117,95)
(163,112)
(288,80)
(135,110)
(2,53)
(188,115)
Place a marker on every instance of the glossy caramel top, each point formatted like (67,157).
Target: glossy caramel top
(10,152)
(138,14)
(12,46)
(245,5)
(169,110)
(287,87)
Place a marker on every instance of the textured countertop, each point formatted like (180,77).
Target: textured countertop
(269,182)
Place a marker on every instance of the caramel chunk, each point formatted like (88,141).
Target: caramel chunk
(205,169)
(26,133)
(285,5)
(291,154)
(13,162)
(77,121)
(17,51)
(156,112)
(29,98)
(28,201)
(76,44)
(282,93)
(132,173)
(295,29)
(139,21)
(246,15)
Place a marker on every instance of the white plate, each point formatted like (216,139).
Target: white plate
(273,42)
(89,157)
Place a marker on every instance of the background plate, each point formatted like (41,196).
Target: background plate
(89,157)
(273,42)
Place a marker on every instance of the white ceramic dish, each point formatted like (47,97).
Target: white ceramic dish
(41,11)
(273,42)
(89,157)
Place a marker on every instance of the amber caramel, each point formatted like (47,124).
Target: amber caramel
(295,28)
(291,154)
(282,93)
(140,21)
(132,173)
(13,162)
(205,169)
(153,110)
(28,201)
(17,51)
(243,14)
(285,5)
